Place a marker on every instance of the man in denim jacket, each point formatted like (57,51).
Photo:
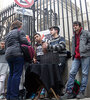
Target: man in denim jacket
(81,56)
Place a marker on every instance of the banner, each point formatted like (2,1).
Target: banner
(45,35)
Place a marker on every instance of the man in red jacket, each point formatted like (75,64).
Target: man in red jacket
(81,57)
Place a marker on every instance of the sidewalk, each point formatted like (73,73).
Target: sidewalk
(60,99)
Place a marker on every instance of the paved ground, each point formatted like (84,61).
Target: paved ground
(67,99)
(59,99)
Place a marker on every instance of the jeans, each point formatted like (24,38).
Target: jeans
(2,83)
(16,68)
(85,64)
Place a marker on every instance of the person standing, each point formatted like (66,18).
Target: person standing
(15,59)
(81,57)
(3,70)
(56,45)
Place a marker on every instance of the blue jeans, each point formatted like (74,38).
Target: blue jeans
(85,64)
(16,68)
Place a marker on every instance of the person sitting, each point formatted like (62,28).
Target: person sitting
(36,60)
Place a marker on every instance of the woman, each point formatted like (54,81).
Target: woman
(15,59)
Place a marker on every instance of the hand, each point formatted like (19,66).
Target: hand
(34,60)
(44,46)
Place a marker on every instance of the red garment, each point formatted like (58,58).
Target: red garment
(77,38)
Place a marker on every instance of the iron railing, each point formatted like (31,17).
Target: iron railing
(48,13)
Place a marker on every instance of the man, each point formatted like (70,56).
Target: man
(57,45)
(36,60)
(38,47)
(3,70)
(81,56)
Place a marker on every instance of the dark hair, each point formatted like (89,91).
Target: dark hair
(37,34)
(16,24)
(77,23)
(56,28)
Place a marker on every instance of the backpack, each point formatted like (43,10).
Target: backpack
(76,87)
(28,52)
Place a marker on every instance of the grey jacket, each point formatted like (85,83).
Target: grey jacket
(84,46)
(3,63)
(12,43)
(2,56)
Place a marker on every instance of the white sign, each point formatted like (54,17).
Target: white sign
(23,11)
(45,35)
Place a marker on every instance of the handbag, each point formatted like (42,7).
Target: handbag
(76,88)
(28,52)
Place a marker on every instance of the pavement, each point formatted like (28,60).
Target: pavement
(59,99)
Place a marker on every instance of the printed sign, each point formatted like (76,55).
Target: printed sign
(23,11)
(24,3)
(45,35)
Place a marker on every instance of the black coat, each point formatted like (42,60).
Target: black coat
(13,41)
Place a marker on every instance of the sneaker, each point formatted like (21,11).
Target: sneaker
(68,96)
(32,96)
(80,95)
(42,94)
(2,97)
(22,94)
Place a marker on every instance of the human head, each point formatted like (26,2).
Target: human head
(76,26)
(54,30)
(2,44)
(16,24)
(37,37)
(77,23)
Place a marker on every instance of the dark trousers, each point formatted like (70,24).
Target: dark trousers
(16,68)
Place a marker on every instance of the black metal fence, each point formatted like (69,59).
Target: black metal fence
(48,13)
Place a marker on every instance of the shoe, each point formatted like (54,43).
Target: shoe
(68,96)
(2,97)
(22,94)
(42,94)
(80,95)
(32,96)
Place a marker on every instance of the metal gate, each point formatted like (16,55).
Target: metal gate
(48,13)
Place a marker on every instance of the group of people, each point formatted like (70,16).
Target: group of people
(50,58)
(55,48)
